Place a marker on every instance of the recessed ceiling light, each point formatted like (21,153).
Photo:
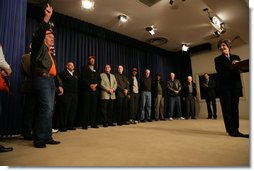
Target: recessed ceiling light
(123,18)
(87,4)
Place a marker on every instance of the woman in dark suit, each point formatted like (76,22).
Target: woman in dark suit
(230,86)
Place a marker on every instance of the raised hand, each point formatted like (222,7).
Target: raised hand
(48,13)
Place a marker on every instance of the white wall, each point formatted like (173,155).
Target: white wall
(204,62)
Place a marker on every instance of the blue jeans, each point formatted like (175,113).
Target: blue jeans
(44,88)
(146,101)
(174,101)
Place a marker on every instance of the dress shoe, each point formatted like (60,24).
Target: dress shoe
(105,125)
(193,118)
(209,117)
(111,124)
(239,134)
(53,142)
(40,145)
(94,126)
(5,149)
(62,129)
(243,135)
(84,127)
(28,137)
(72,128)
(215,117)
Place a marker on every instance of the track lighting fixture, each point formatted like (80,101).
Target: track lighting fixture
(150,30)
(217,23)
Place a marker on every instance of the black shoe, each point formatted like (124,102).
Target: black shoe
(84,127)
(209,117)
(72,128)
(215,117)
(94,126)
(28,137)
(105,125)
(5,149)
(62,129)
(193,118)
(53,142)
(39,145)
(238,134)
(111,124)
(243,135)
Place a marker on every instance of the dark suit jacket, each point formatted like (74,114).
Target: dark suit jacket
(89,77)
(70,83)
(227,77)
(185,90)
(209,91)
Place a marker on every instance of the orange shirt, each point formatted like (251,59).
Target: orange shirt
(52,70)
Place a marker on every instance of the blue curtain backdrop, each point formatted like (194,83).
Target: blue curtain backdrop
(76,40)
(12,38)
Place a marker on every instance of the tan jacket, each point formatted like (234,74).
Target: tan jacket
(106,86)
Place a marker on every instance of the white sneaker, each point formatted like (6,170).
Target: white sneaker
(181,118)
(171,119)
(54,130)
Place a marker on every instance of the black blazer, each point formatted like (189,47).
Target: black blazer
(70,83)
(185,90)
(227,77)
(209,92)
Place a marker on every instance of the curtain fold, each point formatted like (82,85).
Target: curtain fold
(12,38)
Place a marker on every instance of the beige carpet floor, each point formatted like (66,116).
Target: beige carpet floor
(196,143)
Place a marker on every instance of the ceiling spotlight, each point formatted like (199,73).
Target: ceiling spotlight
(185,47)
(150,29)
(88,4)
(123,18)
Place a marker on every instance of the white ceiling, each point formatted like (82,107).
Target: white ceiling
(187,23)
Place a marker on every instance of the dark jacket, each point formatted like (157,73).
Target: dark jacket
(170,87)
(228,78)
(155,88)
(70,83)
(122,83)
(89,77)
(209,92)
(185,90)
(40,58)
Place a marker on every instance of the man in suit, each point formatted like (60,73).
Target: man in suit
(67,102)
(230,86)
(209,92)
(122,93)
(189,96)
(89,81)
(108,87)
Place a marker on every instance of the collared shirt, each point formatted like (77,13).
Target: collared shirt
(135,85)
(71,72)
